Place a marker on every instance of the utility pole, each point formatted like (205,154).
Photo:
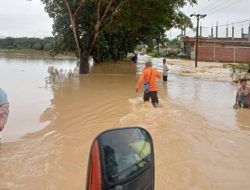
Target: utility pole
(198,17)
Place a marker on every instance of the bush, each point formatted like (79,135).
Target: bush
(156,54)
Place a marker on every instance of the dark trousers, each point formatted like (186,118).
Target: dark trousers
(165,78)
(152,95)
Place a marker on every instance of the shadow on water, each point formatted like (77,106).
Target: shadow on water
(28,94)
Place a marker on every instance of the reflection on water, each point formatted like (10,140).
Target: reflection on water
(191,152)
(23,80)
(214,99)
(59,75)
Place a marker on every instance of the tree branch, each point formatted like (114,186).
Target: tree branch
(99,23)
(114,13)
(98,9)
(106,10)
(79,7)
(73,23)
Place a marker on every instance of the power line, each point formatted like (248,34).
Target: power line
(233,23)
(216,4)
(234,2)
(209,6)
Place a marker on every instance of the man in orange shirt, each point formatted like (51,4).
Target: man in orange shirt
(149,76)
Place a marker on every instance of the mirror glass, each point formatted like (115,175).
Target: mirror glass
(122,159)
(125,153)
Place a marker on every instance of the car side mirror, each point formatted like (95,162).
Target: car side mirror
(121,159)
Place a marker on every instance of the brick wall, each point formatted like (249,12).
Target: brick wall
(242,55)
(206,53)
(223,53)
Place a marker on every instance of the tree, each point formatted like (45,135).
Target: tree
(37,46)
(28,43)
(84,21)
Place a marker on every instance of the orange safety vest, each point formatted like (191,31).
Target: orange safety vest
(145,76)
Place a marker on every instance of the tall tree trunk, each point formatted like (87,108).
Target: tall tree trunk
(83,56)
(85,52)
(84,63)
(74,26)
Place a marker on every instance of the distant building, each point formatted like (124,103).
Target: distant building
(236,50)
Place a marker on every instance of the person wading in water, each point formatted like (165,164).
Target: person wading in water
(149,77)
(165,71)
(243,95)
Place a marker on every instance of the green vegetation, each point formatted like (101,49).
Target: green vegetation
(46,44)
(240,67)
(110,29)
(238,71)
(166,48)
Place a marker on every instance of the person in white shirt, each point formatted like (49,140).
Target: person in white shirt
(165,70)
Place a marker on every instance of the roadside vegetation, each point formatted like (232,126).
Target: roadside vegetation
(163,48)
(238,71)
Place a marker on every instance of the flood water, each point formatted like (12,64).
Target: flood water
(200,141)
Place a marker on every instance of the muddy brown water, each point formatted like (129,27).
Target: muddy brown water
(200,141)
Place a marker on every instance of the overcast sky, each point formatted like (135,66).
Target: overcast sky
(221,11)
(20,18)
(27,18)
